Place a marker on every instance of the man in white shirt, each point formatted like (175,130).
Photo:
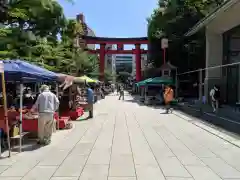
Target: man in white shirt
(46,105)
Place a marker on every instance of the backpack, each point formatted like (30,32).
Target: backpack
(217,94)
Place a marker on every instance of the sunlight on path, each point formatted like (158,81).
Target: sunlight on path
(128,141)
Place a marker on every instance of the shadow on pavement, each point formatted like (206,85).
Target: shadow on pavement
(224,122)
(165,113)
(232,125)
(136,101)
(28,145)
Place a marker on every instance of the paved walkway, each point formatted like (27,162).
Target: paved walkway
(126,141)
(225,112)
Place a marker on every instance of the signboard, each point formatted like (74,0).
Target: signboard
(164,43)
(1,67)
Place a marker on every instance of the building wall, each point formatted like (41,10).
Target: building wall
(218,53)
(233,56)
(226,20)
(214,47)
(124,61)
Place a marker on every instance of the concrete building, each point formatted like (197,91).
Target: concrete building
(124,62)
(222,48)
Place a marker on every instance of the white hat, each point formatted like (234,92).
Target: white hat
(44,87)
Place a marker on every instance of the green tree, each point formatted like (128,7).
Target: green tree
(172,19)
(25,21)
(30,33)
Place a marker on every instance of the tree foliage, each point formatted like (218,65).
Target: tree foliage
(38,31)
(172,19)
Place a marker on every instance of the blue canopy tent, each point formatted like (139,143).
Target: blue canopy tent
(22,71)
(17,70)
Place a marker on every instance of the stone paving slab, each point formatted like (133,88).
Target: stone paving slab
(126,141)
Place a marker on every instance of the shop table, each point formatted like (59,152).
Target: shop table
(29,125)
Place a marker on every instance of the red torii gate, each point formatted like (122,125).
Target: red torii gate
(120,42)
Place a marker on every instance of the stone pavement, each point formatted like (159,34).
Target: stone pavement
(226,117)
(126,141)
(225,112)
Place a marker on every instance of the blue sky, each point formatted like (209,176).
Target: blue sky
(113,18)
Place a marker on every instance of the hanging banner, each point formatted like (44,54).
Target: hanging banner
(1,67)
(164,43)
(67,82)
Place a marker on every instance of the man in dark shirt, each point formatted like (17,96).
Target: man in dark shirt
(90,101)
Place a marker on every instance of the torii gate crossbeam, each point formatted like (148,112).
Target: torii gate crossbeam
(120,42)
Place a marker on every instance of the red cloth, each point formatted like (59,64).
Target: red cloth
(56,116)
(63,122)
(30,125)
(77,113)
(11,118)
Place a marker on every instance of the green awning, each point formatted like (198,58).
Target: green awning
(144,82)
(160,80)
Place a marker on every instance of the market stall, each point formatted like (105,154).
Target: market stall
(69,93)
(21,72)
(152,88)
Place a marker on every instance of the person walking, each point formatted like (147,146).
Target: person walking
(215,97)
(102,94)
(118,88)
(46,105)
(90,101)
(168,97)
(121,92)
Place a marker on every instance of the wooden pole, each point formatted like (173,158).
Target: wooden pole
(5,112)
(21,117)
(57,94)
(164,55)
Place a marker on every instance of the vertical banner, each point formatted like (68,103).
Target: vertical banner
(164,46)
